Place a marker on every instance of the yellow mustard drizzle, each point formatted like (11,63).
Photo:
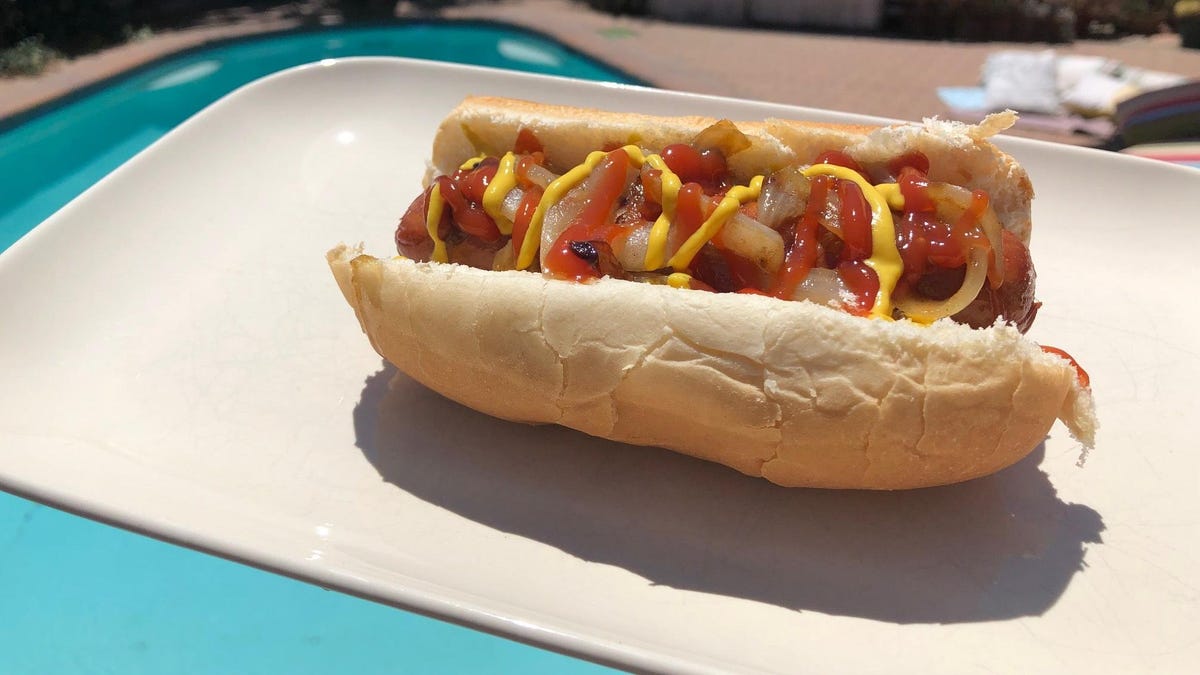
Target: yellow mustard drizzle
(885,258)
(656,245)
(729,204)
(892,195)
(635,155)
(679,280)
(499,187)
(472,163)
(433,217)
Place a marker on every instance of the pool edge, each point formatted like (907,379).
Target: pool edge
(12,121)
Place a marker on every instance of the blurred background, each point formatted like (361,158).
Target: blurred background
(73,27)
(1068,65)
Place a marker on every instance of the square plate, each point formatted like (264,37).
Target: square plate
(178,361)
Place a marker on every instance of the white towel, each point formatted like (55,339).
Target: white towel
(1024,81)
(1096,94)
(1074,67)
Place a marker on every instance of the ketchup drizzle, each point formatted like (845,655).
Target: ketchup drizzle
(561,260)
(802,254)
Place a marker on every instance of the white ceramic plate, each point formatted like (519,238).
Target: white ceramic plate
(177,360)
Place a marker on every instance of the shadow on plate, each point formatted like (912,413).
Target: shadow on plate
(995,548)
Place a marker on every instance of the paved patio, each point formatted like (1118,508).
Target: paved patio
(872,75)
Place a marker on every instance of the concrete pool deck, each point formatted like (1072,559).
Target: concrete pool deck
(881,76)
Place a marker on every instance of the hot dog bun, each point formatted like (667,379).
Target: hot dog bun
(797,393)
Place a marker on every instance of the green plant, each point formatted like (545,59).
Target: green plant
(29,56)
(137,34)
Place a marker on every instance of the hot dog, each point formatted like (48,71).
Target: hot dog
(819,305)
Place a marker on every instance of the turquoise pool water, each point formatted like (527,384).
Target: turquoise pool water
(48,159)
(81,597)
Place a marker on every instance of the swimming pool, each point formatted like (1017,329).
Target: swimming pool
(49,158)
(84,597)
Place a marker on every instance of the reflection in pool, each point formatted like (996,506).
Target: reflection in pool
(185,75)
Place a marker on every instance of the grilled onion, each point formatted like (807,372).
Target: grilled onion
(630,249)
(830,217)
(723,136)
(784,197)
(742,235)
(952,201)
(753,241)
(505,258)
(512,202)
(540,175)
(925,310)
(560,216)
(823,287)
